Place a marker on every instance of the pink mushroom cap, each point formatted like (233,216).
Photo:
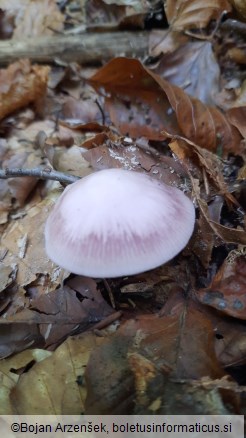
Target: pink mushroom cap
(117,222)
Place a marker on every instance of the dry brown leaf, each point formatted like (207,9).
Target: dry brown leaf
(81,111)
(15,337)
(141,103)
(156,395)
(237,55)
(240,6)
(19,153)
(212,165)
(236,117)
(188,152)
(59,313)
(40,392)
(188,66)
(97,140)
(110,14)
(241,96)
(21,84)
(242,173)
(115,155)
(25,157)
(227,290)
(164,342)
(203,241)
(71,161)
(186,14)
(230,343)
(165,41)
(9,374)
(136,105)
(24,241)
(7,276)
(41,17)
(226,234)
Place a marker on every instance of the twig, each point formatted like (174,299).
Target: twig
(234,26)
(37,172)
(84,48)
(111,296)
(101,111)
(106,321)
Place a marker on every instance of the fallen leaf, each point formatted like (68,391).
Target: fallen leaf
(9,375)
(240,7)
(226,292)
(186,14)
(71,161)
(33,261)
(203,242)
(7,276)
(115,155)
(194,68)
(63,311)
(189,153)
(165,41)
(236,117)
(16,337)
(21,84)
(164,342)
(110,14)
(40,392)
(141,103)
(230,343)
(20,188)
(81,111)
(34,18)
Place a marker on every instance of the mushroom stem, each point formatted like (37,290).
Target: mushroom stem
(40,173)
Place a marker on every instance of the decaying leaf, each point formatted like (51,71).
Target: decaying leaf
(41,17)
(11,369)
(117,155)
(21,84)
(141,103)
(33,261)
(40,392)
(236,116)
(18,337)
(230,343)
(213,166)
(81,112)
(188,66)
(165,41)
(164,342)
(63,311)
(104,14)
(186,14)
(227,290)
(71,161)
(240,7)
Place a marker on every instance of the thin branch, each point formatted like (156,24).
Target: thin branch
(85,48)
(40,173)
(234,26)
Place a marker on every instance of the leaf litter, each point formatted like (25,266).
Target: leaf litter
(166,341)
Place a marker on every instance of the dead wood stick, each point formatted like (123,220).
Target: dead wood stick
(84,48)
(40,173)
(234,26)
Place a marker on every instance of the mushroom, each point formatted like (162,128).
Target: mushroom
(116,222)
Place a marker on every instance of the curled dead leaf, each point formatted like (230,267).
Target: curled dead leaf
(226,292)
(21,84)
(186,14)
(141,103)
